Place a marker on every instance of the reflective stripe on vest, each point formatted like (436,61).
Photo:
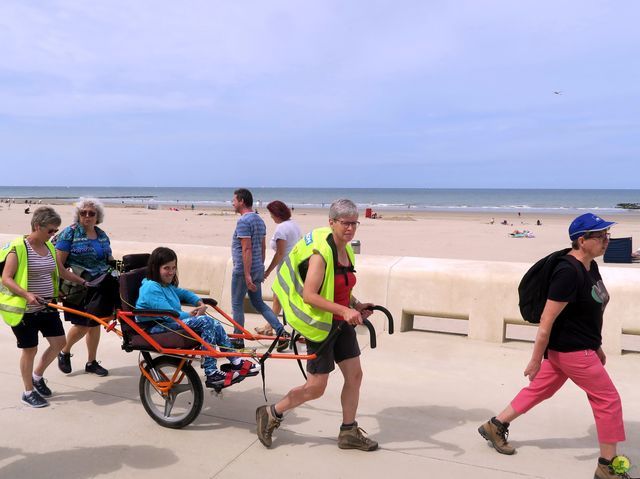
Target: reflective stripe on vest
(311,322)
(13,306)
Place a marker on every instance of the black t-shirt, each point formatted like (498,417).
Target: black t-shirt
(579,325)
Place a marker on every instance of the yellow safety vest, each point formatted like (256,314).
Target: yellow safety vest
(311,322)
(13,306)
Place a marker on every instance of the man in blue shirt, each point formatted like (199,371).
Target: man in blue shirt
(248,251)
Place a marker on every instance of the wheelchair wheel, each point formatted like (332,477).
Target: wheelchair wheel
(183,402)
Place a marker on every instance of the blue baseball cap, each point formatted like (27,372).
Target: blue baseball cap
(587,222)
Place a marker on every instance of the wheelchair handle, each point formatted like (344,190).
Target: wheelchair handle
(387,313)
(373,342)
(210,302)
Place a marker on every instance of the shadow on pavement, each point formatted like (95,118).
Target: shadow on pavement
(83,462)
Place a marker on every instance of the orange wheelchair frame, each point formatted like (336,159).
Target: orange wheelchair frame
(170,388)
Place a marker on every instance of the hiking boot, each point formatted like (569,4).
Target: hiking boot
(64,362)
(283,342)
(41,387)
(352,437)
(95,368)
(266,423)
(497,433)
(34,399)
(606,471)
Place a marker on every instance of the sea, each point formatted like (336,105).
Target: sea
(418,199)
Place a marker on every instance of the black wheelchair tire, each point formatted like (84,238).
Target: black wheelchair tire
(189,391)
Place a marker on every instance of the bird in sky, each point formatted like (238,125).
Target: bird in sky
(559,92)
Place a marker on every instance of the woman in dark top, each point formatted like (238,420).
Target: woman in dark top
(568,345)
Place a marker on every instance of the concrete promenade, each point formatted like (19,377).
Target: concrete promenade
(424,396)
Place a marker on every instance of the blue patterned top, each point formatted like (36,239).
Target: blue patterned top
(90,254)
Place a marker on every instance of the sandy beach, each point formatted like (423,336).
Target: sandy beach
(461,235)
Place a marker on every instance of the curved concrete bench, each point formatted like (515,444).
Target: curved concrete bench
(481,292)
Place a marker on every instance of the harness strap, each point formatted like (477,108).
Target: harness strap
(264,357)
(228,378)
(246,366)
(294,342)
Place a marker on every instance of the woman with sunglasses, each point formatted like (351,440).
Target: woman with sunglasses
(314,287)
(29,279)
(568,345)
(86,249)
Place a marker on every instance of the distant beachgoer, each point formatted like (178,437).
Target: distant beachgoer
(248,252)
(321,306)
(27,210)
(539,223)
(86,249)
(493,220)
(284,238)
(29,278)
(568,345)
(503,222)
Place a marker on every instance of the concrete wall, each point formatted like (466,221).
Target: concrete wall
(480,292)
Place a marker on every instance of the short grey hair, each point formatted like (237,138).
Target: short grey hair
(94,203)
(45,216)
(341,208)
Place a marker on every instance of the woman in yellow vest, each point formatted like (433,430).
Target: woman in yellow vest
(313,285)
(29,277)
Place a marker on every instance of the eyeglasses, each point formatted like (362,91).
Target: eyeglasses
(347,224)
(88,213)
(52,231)
(598,235)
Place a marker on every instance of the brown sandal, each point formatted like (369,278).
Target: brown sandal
(267,330)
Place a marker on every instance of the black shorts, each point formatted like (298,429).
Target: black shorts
(344,345)
(46,321)
(100,301)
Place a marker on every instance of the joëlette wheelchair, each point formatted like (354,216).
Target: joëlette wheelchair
(170,389)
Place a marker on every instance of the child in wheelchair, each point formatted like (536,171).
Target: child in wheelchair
(160,291)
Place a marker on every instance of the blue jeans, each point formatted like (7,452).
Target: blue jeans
(209,329)
(239,290)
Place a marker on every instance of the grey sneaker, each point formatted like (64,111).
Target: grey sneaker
(34,400)
(497,433)
(266,424)
(354,438)
(41,387)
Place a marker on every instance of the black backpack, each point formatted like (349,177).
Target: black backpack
(534,286)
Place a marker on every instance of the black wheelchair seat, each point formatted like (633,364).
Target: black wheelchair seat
(129,288)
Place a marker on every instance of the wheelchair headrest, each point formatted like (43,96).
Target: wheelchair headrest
(134,261)
(130,287)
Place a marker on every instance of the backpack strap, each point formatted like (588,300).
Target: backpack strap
(578,266)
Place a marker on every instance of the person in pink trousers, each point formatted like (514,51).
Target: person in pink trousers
(568,345)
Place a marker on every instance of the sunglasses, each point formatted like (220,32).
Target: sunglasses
(51,231)
(88,213)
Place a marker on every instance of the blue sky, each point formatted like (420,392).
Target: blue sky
(320,93)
